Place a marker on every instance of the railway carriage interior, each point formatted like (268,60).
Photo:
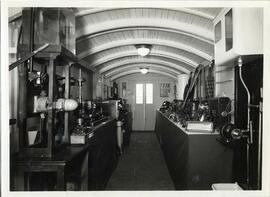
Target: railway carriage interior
(135,98)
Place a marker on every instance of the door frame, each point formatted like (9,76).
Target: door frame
(144,104)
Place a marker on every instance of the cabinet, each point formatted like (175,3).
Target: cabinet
(102,155)
(195,160)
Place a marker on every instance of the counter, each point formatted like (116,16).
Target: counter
(87,166)
(102,154)
(195,160)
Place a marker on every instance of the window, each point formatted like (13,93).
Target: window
(229,30)
(218,32)
(149,93)
(165,89)
(139,93)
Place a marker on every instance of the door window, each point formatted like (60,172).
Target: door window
(149,93)
(139,93)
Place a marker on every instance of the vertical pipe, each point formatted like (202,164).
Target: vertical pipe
(80,120)
(240,63)
(22,105)
(51,112)
(250,138)
(259,147)
(67,94)
(80,85)
(31,41)
(248,183)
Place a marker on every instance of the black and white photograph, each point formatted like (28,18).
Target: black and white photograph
(164,98)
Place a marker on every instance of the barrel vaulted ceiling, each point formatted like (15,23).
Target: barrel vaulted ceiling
(181,39)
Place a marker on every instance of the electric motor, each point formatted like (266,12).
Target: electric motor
(229,133)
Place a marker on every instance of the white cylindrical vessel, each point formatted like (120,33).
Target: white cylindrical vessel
(119,136)
(66,104)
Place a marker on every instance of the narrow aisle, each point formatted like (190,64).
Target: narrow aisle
(142,166)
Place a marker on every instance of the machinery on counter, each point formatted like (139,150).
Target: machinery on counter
(92,113)
(88,116)
(215,110)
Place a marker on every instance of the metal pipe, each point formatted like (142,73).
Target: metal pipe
(80,85)
(27,56)
(248,179)
(249,139)
(240,63)
(251,132)
(31,40)
(259,147)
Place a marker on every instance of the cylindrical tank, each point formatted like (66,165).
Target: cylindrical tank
(119,136)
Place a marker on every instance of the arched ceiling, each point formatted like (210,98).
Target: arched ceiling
(129,72)
(167,63)
(181,39)
(137,66)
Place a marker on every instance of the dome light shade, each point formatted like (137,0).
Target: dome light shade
(143,49)
(144,70)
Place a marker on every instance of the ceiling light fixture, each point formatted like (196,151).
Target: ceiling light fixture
(144,70)
(143,49)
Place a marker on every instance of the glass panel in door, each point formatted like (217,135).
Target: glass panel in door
(149,107)
(138,122)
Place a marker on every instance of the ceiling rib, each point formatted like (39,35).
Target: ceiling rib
(169,30)
(157,53)
(131,41)
(89,29)
(143,61)
(137,71)
(86,12)
(137,66)
(124,54)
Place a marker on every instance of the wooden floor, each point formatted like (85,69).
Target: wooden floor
(141,166)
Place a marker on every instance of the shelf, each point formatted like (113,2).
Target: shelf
(225,69)
(52,49)
(225,81)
